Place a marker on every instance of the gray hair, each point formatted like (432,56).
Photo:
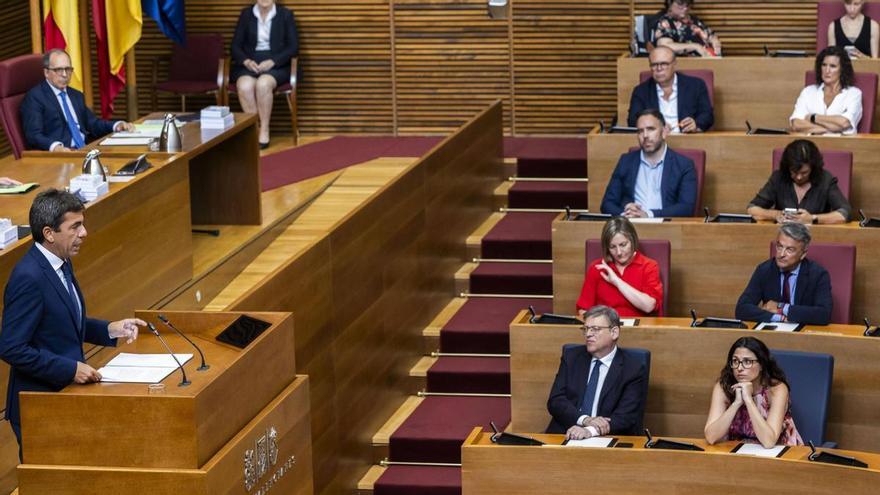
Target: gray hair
(798,232)
(609,313)
(48,210)
(48,55)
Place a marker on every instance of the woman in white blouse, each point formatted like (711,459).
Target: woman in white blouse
(833,104)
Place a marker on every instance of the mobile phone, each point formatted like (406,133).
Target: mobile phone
(790,212)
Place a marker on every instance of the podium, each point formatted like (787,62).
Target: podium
(241,426)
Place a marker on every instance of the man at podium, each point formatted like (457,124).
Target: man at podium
(44,313)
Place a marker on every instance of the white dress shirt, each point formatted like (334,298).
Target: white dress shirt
(669,108)
(848,103)
(57,263)
(264,28)
(647,193)
(603,372)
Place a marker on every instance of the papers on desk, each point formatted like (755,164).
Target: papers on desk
(127,141)
(629,322)
(594,442)
(648,220)
(140,368)
(755,449)
(779,326)
(18,189)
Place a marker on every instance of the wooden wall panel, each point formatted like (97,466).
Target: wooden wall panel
(15,39)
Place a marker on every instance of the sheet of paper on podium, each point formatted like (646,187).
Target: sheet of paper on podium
(140,368)
(594,442)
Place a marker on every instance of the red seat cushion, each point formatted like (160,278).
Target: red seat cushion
(840,261)
(17,76)
(867,83)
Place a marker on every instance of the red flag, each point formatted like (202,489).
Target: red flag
(109,84)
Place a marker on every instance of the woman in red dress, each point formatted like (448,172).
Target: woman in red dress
(624,278)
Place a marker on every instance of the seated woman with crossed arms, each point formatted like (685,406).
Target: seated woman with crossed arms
(834,103)
(623,279)
(802,184)
(750,401)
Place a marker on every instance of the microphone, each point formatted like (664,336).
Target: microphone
(706,212)
(693,318)
(184,382)
(871,332)
(167,323)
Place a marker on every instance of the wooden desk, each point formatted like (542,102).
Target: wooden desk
(224,169)
(487,468)
(685,363)
(711,263)
(738,165)
(762,90)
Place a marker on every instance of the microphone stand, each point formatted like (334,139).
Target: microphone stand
(167,323)
(184,382)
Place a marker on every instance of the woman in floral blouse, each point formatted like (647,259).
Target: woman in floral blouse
(685,33)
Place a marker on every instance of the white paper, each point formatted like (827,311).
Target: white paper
(780,326)
(148,360)
(120,178)
(647,220)
(149,132)
(756,449)
(111,141)
(628,322)
(594,442)
(131,374)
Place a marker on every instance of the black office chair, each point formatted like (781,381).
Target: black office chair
(809,375)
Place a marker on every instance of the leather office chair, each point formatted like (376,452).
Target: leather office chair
(17,76)
(287,89)
(641,355)
(829,10)
(838,163)
(658,250)
(840,261)
(706,75)
(809,377)
(194,69)
(699,159)
(867,82)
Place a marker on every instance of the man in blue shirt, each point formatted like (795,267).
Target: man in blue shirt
(653,181)
(788,287)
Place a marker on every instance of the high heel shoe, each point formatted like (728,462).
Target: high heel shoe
(264,145)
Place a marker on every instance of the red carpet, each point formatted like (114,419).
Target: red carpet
(470,375)
(512,278)
(548,195)
(482,325)
(520,235)
(419,480)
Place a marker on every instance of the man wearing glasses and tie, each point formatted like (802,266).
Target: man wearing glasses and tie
(55,117)
(600,388)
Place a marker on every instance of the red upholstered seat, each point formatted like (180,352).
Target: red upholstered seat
(829,10)
(840,261)
(17,76)
(839,163)
(194,69)
(699,159)
(657,250)
(867,82)
(706,75)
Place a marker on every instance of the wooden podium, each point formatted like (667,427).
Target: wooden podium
(241,426)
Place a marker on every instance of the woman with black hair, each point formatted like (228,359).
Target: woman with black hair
(801,183)
(750,401)
(684,33)
(833,104)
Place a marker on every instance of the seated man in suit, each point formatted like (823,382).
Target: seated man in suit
(600,389)
(55,117)
(683,100)
(653,181)
(788,287)
(44,313)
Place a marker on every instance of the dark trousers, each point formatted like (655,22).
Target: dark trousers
(16,428)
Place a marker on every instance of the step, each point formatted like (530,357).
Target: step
(482,324)
(546,148)
(366,483)
(470,375)
(418,374)
(431,333)
(463,277)
(552,167)
(520,235)
(382,438)
(500,195)
(512,278)
(419,480)
(436,429)
(473,241)
(541,194)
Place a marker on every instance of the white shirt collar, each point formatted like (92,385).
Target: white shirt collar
(256,11)
(608,358)
(55,261)
(674,87)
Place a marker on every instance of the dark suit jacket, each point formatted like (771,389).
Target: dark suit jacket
(678,186)
(622,397)
(43,121)
(283,41)
(693,101)
(812,296)
(41,337)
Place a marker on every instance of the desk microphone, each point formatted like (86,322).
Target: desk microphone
(184,382)
(167,323)
(871,332)
(693,318)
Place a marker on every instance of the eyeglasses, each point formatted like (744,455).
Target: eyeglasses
(746,363)
(789,250)
(595,329)
(61,70)
(660,65)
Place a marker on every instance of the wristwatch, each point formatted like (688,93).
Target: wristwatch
(813,118)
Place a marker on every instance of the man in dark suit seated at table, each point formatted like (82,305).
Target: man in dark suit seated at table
(44,313)
(788,287)
(55,117)
(653,181)
(599,388)
(683,100)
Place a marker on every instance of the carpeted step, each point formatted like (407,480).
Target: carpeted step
(512,278)
(548,195)
(520,235)
(435,431)
(483,324)
(470,375)
(553,167)
(419,480)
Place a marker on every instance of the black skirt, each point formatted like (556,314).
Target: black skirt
(280,73)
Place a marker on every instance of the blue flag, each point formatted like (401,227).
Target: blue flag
(170,17)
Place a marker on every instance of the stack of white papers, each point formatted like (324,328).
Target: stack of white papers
(756,449)
(594,442)
(141,368)
(89,186)
(127,141)
(8,233)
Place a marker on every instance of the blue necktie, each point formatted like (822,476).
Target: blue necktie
(68,277)
(592,385)
(71,124)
